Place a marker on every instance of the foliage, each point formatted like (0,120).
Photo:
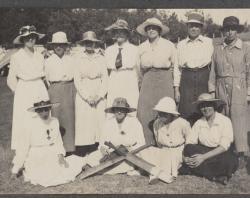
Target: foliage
(76,21)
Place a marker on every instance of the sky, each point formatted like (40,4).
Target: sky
(217,14)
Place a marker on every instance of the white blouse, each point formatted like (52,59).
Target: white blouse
(59,69)
(26,67)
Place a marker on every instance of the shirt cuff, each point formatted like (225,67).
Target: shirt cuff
(225,144)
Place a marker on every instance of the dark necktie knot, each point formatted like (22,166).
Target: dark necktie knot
(118,62)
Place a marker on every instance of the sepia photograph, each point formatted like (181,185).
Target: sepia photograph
(124,100)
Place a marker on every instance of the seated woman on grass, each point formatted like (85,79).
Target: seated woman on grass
(41,156)
(208,150)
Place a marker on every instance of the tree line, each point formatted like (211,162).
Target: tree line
(76,21)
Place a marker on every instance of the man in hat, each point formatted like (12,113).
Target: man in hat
(170,131)
(121,60)
(119,129)
(208,150)
(59,69)
(229,80)
(90,79)
(194,55)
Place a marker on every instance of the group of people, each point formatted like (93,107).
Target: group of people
(188,103)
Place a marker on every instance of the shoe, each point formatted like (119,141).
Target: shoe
(221,179)
(153,180)
(86,167)
(242,162)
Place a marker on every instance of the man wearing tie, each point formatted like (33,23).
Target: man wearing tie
(121,60)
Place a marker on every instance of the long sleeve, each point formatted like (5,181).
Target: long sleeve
(176,71)
(212,76)
(193,136)
(186,130)
(137,127)
(58,140)
(104,85)
(247,59)
(78,82)
(21,152)
(12,76)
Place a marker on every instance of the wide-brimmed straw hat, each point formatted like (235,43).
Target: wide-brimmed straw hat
(42,104)
(152,21)
(167,105)
(26,31)
(59,38)
(120,103)
(120,24)
(206,97)
(89,36)
(232,22)
(195,17)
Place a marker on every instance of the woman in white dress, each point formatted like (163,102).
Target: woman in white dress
(122,58)
(25,79)
(90,78)
(41,156)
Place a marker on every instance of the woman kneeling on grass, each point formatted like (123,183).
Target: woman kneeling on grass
(42,152)
(208,152)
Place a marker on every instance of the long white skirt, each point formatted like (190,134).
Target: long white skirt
(89,121)
(26,94)
(167,159)
(42,167)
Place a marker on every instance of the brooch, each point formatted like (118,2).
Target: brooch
(48,133)
(122,132)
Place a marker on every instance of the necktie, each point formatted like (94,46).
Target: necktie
(118,62)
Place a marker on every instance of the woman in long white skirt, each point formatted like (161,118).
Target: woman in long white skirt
(42,152)
(90,80)
(25,79)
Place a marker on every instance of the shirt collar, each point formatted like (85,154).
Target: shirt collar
(216,120)
(237,44)
(123,45)
(199,38)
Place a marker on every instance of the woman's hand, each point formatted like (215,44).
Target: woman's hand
(62,161)
(177,94)
(195,160)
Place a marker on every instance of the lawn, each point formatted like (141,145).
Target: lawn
(240,183)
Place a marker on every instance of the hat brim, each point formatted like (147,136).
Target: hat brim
(194,21)
(113,109)
(165,111)
(114,27)
(239,28)
(217,102)
(44,106)
(141,28)
(55,43)
(17,40)
(93,40)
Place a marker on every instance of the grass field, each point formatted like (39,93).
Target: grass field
(240,183)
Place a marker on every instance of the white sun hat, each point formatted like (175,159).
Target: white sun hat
(59,38)
(167,105)
(152,21)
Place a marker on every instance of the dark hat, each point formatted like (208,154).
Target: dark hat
(120,24)
(26,31)
(195,17)
(42,104)
(232,22)
(120,103)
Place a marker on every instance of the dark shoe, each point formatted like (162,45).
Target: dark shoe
(242,162)
(184,170)
(153,180)
(221,179)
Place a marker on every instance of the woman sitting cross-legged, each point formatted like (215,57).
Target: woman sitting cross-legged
(42,153)
(208,150)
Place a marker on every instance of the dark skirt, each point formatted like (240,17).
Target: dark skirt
(193,83)
(156,84)
(64,93)
(224,164)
